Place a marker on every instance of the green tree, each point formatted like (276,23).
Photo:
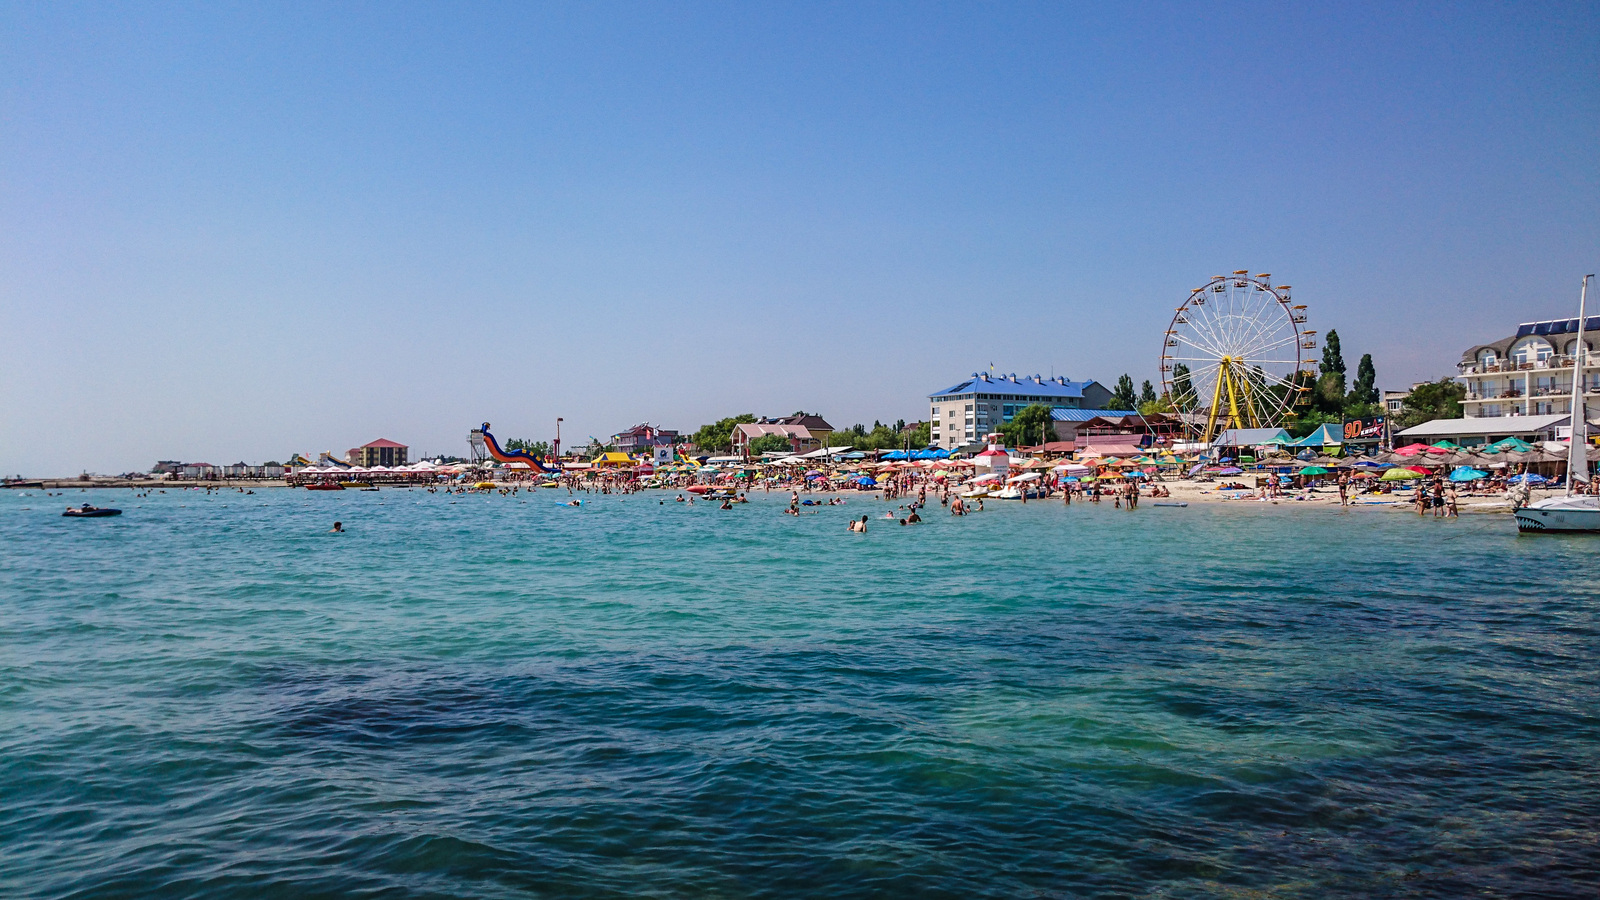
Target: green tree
(1435,400)
(1310,421)
(920,436)
(1328,398)
(1147,393)
(1365,390)
(1182,388)
(718,436)
(1123,397)
(1332,359)
(1031,425)
(769,443)
(1160,405)
(537,448)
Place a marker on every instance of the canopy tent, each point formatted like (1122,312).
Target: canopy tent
(1325,436)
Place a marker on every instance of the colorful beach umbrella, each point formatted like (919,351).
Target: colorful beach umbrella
(1313,470)
(1400,473)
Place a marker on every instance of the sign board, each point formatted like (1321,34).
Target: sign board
(1369,429)
(663,455)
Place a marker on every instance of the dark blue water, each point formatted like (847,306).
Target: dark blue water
(504,697)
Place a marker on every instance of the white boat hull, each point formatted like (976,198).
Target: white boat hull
(1565,516)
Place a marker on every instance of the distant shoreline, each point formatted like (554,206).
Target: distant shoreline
(63,483)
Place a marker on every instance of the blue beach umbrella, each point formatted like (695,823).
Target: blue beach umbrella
(1467,473)
(1530,478)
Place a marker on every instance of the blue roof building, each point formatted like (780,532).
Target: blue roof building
(963,413)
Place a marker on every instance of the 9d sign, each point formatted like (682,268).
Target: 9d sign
(1368,429)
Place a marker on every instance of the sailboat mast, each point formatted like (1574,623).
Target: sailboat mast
(1578,440)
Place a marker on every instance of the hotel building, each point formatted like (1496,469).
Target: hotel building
(1529,373)
(980,404)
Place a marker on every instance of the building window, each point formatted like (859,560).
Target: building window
(1531,350)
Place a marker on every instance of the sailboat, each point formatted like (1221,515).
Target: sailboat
(1573,512)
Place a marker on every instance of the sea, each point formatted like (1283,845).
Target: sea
(505,696)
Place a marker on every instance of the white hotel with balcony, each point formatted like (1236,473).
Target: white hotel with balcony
(1529,373)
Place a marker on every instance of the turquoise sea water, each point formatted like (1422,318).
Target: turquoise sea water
(503,697)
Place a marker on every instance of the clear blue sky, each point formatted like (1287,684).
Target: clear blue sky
(238,231)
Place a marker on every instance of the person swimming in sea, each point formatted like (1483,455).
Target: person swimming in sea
(338,528)
(859,527)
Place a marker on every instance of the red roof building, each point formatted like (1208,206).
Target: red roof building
(381,452)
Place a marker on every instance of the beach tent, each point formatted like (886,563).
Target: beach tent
(1467,473)
(1325,436)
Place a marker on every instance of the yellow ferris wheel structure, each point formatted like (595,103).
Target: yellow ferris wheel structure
(1235,355)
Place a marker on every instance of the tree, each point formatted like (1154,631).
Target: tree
(919,436)
(1124,397)
(1031,425)
(1332,359)
(1160,405)
(1328,398)
(1435,400)
(1365,390)
(718,436)
(769,443)
(1182,387)
(536,448)
(1147,393)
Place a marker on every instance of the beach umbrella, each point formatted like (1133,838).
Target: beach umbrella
(1511,443)
(1467,473)
(1401,473)
(1230,470)
(1530,478)
(1417,469)
(1313,470)
(1411,449)
(1447,445)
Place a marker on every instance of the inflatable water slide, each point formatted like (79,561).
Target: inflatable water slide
(484,442)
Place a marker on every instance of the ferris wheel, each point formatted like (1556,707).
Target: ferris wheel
(1235,355)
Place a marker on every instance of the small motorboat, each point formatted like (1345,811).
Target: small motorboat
(356,484)
(1178,503)
(325,486)
(90,512)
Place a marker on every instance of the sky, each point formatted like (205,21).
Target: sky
(240,231)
